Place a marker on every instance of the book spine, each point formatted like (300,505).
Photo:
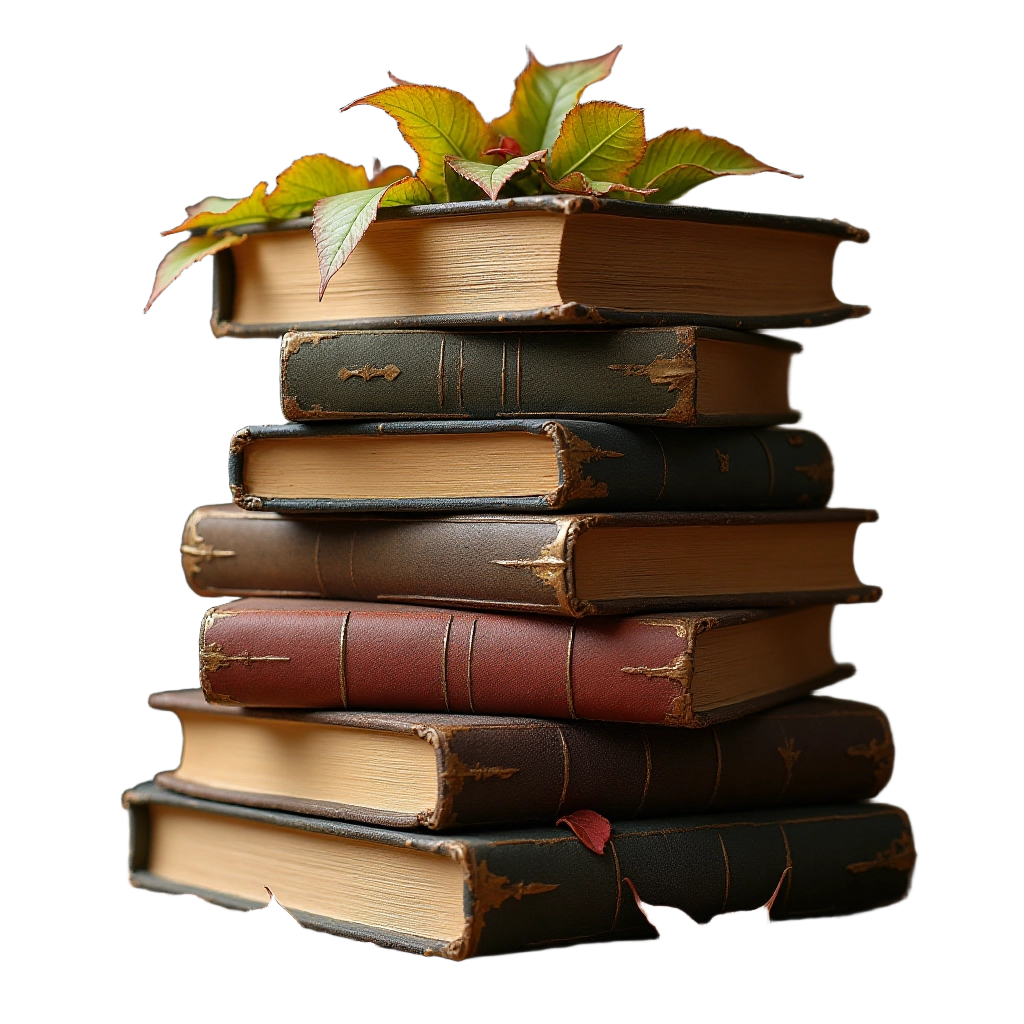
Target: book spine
(810,751)
(306,656)
(813,862)
(645,375)
(602,467)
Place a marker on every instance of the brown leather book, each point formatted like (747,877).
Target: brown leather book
(536,261)
(670,669)
(572,565)
(438,771)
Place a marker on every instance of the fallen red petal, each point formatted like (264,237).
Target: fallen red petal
(593,830)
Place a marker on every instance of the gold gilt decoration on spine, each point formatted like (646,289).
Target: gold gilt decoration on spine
(212,658)
(199,553)
(239,440)
(789,755)
(573,452)
(820,472)
(553,565)
(723,461)
(898,856)
(680,669)
(881,752)
(679,372)
(368,372)
(491,890)
(456,771)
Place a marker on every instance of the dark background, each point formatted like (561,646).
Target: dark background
(115,423)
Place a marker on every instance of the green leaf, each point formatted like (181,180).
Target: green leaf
(245,211)
(340,221)
(311,178)
(488,177)
(184,254)
(602,140)
(684,158)
(435,122)
(407,191)
(211,204)
(459,189)
(579,184)
(544,95)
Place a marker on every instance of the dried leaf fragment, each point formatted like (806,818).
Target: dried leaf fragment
(592,829)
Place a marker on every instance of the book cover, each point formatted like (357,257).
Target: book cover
(572,565)
(524,465)
(686,376)
(479,893)
(490,769)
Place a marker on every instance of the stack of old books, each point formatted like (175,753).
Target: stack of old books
(534,590)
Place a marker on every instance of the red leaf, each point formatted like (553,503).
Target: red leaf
(507,146)
(593,830)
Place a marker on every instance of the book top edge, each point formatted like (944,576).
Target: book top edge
(571,205)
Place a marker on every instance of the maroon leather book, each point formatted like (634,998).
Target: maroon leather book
(679,668)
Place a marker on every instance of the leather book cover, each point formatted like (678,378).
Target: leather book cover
(495,770)
(286,652)
(601,467)
(510,562)
(687,376)
(570,299)
(527,888)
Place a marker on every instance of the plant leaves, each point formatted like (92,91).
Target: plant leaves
(545,94)
(507,146)
(579,184)
(671,924)
(436,122)
(386,175)
(211,204)
(311,178)
(488,177)
(684,158)
(459,189)
(249,210)
(338,224)
(184,254)
(407,192)
(602,140)
(592,829)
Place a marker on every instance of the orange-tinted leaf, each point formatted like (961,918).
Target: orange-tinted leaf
(184,254)
(669,922)
(592,829)
(274,911)
(507,146)
(602,140)
(683,158)
(436,122)
(311,178)
(488,177)
(580,185)
(211,204)
(246,211)
(386,175)
(545,94)
(407,192)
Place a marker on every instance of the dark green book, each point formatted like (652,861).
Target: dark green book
(688,376)
(477,893)
(525,465)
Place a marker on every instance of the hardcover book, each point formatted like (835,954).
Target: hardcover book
(571,565)
(538,260)
(477,893)
(525,465)
(437,771)
(671,669)
(687,376)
